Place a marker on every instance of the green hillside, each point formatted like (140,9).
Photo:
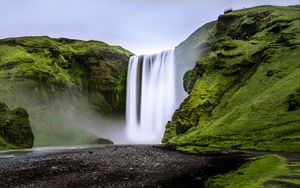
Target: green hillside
(59,79)
(244,92)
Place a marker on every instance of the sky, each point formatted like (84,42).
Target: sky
(141,26)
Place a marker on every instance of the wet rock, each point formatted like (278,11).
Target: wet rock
(102,141)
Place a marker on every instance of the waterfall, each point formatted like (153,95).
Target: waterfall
(150,96)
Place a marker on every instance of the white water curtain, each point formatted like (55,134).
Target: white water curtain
(150,96)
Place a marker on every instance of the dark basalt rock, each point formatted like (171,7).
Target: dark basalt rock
(102,141)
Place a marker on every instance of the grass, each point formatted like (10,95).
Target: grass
(290,178)
(244,93)
(251,175)
(196,149)
(263,171)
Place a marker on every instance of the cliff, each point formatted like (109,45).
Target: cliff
(244,90)
(15,130)
(57,80)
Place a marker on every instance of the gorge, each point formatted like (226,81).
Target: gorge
(229,93)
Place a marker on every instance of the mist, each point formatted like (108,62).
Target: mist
(62,117)
(112,128)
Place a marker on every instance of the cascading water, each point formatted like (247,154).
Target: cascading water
(150,96)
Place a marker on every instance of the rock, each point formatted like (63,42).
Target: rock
(198,178)
(228,10)
(54,168)
(102,141)
(15,130)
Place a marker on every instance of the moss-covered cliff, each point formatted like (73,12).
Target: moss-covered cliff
(15,130)
(52,78)
(244,91)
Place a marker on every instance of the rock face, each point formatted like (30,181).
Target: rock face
(15,130)
(102,141)
(55,78)
(244,91)
(189,51)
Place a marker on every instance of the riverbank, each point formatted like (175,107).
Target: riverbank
(115,166)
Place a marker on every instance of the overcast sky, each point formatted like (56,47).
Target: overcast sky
(142,26)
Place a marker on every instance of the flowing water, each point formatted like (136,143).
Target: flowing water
(150,96)
(36,151)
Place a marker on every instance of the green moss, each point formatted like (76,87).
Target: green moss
(244,93)
(51,77)
(252,174)
(5,145)
(15,130)
(100,102)
(196,149)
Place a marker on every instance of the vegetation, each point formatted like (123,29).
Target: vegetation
(244,92)
(15,130)
(252,174)
(262,171)
(58,79)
